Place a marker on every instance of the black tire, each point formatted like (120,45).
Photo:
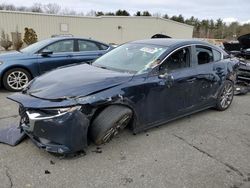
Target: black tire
(109,122)
(225,97)
(8,78)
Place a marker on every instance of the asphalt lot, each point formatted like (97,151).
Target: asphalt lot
(208,149)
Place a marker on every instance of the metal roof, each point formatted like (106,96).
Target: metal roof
(171,42)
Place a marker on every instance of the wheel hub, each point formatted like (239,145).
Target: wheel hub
(17,80)
(113,131)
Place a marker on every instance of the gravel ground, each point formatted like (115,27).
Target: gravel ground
(208,149)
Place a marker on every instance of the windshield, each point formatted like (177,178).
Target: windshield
(36,46)
(132,57)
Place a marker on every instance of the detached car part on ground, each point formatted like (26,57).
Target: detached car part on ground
(140,85)
(18,68)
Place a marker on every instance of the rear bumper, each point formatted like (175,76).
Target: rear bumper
(62,134)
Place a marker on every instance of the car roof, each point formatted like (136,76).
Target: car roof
(66,38)
(171,42)
(175,43)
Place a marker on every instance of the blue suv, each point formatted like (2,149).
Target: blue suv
(18,68)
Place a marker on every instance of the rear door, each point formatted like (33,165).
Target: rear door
(88,51)
(210,70)
(62,55)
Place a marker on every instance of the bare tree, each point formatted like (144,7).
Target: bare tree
(52,8)
(22,9)
(81,14)
(37,7)
(5,6)
(67,11)
(157,15)
(91,13)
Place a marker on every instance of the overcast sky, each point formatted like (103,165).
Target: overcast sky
(229,10)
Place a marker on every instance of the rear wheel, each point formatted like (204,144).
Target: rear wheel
(16,79)
(109,123)
(226,95)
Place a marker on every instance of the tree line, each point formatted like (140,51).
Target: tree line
(205,28)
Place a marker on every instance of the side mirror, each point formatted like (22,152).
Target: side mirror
(46,53)
(168,79)
(166,76)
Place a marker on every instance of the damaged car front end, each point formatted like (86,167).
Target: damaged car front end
(59,123)
(69,124)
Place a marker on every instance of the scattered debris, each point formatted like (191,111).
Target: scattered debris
(52,162)
(98,150)
(237,186)
(123,158)
(47,172)
(73,155)
(246,179)
(127,181)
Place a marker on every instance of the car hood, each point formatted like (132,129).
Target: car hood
(245,41)
(75,81)
(12,55)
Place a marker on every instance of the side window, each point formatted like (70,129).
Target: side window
(204,55)
(178,60)
(61,46)
(85,45)
(217,55)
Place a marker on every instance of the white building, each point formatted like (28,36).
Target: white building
(109,29)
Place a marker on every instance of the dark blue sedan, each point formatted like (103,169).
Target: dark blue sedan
(18,68)
(140,85)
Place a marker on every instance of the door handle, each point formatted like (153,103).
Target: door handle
(70,55)
(191,80)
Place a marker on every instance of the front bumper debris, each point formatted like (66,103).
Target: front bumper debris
(62,133)
(11,135)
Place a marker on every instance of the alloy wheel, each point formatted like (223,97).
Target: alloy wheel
(226,96)
(17,80)
(121,124)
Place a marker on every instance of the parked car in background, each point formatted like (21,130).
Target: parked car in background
(141,84)
(18,68)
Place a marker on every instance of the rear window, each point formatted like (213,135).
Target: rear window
(204,55)
(85,45)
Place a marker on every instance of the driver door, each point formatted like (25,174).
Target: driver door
(62,54)
(171,95)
